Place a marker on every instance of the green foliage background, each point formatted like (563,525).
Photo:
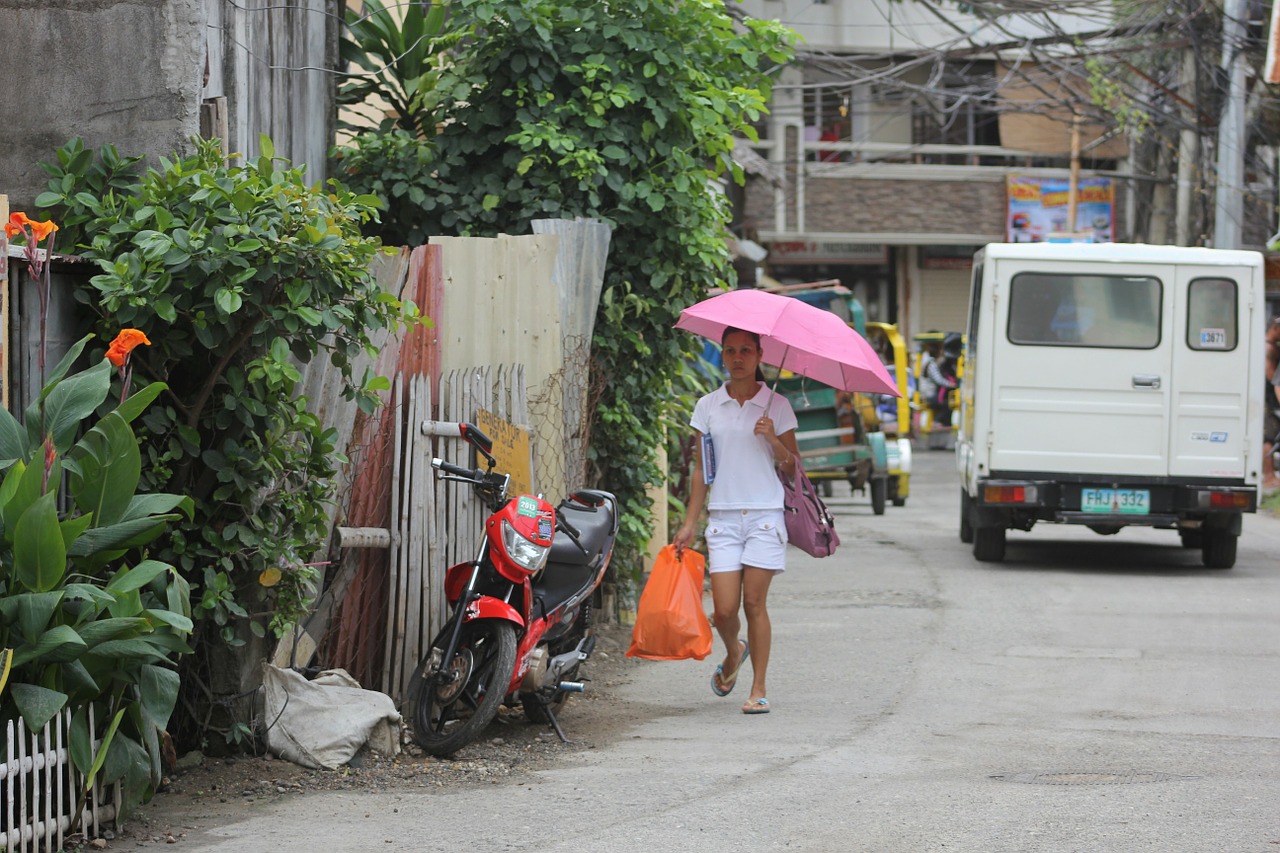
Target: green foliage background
(238,275)
(624,112)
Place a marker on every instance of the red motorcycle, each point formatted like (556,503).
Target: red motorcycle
(520,612)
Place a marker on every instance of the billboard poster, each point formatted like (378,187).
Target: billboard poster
(1037,209)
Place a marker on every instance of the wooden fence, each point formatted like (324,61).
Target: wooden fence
(435,524)
(40,787)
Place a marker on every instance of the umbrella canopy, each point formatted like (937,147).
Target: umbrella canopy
(795,336)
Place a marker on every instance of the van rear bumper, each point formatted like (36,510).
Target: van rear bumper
(1008,501)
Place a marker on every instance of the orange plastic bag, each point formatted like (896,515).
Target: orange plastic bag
(670,621)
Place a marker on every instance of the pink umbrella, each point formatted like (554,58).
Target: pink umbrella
(795,336)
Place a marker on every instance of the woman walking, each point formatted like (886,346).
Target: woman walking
(745,434)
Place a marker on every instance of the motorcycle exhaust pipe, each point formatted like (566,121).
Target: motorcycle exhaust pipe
(572,687)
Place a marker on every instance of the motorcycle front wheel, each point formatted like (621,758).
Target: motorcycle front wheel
(447,710)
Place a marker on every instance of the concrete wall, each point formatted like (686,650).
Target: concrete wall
(104,70)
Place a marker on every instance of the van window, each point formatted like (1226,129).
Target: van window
(1211,314)
(975,299)
(1062,309)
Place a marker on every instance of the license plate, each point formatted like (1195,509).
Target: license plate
(1121,501)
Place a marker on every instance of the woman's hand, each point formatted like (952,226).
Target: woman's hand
(764,427)
(684,538)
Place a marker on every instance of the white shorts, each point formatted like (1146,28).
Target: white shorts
(746,537)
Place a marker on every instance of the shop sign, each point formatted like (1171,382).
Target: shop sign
(826,252)
(1037,209)
(947,257)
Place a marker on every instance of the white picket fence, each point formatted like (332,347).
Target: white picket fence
(40,787)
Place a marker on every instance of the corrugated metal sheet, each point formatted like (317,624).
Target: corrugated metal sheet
(494,303)
(579,277)
(501,306)
(273,73)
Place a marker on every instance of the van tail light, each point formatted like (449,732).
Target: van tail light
(1009,494)
(1224,500)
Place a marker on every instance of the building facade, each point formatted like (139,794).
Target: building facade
(893,149)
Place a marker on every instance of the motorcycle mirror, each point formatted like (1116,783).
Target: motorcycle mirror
(477,439)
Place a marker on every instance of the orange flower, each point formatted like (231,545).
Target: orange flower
(18,221)
(118,352)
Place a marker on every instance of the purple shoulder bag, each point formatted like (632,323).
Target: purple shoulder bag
(810,526)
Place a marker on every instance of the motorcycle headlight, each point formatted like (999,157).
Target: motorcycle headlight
(529,556)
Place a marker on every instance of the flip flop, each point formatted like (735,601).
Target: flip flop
(722,685)
(759,706)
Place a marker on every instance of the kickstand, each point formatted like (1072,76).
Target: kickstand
(555,724)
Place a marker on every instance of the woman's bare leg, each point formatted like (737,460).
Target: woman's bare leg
(755,592)
(726,598)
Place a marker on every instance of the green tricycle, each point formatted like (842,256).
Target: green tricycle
(839,434)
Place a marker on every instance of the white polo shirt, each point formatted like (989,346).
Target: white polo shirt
(745,474)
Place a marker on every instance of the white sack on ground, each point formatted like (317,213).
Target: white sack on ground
(322,723)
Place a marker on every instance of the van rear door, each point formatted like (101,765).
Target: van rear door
(1081,367)
(1209,434)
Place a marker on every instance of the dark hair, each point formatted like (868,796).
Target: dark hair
(755,336)
(729,330)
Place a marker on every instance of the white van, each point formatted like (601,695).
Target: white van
(1108,385)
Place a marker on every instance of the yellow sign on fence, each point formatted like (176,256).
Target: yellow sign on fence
(510,448)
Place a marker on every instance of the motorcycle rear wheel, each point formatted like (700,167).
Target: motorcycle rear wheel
(446,715)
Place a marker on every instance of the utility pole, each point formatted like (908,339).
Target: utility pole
(1229,199)
(1073,188)
(1188,151)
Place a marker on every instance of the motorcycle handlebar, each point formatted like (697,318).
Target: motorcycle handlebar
(455,470)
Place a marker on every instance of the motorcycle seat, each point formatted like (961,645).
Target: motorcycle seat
(569,571)
(594,526)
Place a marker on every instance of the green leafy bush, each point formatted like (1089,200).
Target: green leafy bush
(623,112)
(398,63)
(238,274)
(83,625)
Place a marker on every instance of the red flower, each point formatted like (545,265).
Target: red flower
(19,221)
(118,352)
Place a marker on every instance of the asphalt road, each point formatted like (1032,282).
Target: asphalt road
(1089,694)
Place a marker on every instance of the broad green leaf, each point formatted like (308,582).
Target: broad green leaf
(77,681)
(36,704)
(157,504)
(178,596)
(88,592)
(227,300)
(69,404)
(13,439)
(81,740)
(126,604)
(110,467)
(104,750)
(96,633)
(73,527)
(139,400)
(159,688)
(31,612)
(6,661)
(134,648)
(173,620)
(39,554)
(64,364)
(127,580)
(21,488)
(125,534)
(59,644)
